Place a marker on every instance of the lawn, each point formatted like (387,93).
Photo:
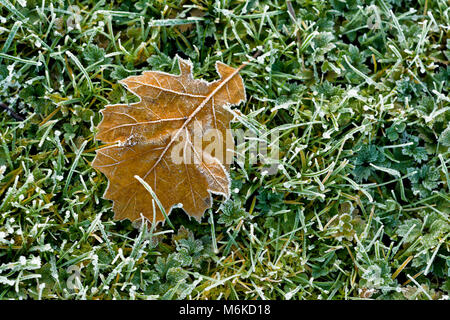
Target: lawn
(356,208)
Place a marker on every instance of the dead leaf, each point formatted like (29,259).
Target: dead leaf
(193,13)
(169,114)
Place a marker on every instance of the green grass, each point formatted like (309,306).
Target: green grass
(359,208)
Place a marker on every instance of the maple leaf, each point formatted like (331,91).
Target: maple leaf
(173,110)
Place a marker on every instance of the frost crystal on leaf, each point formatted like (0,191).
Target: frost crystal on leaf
(147,138)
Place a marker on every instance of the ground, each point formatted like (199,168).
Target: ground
(358,206)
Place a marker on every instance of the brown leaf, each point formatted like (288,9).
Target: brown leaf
(153,134)
(190,26)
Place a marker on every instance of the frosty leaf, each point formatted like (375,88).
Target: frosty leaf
(418,153)
(367,155)
(424,180)
(410,230)
(172,112)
